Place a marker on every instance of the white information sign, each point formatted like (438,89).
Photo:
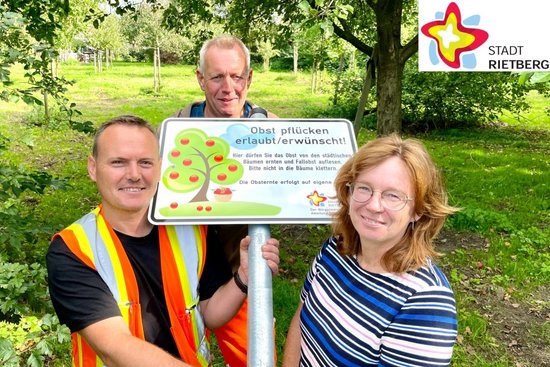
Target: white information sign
(264,171)
(486,35)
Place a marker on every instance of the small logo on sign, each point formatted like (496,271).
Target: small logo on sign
(316,199)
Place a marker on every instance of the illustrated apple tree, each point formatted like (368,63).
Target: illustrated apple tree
(198,159)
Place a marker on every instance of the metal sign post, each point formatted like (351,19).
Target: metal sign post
(260,301)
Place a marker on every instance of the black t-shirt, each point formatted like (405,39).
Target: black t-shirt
(81,298)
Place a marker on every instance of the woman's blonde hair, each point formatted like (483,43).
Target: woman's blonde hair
(430,201)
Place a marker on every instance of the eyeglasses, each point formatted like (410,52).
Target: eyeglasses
(392,200)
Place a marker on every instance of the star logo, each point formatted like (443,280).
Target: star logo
(453,38)
(316,199)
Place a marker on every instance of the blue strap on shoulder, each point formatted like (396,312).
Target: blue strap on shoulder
(197,110)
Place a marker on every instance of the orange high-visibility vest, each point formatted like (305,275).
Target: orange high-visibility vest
(232,338)
(182,256)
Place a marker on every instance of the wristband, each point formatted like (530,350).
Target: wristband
(243,287)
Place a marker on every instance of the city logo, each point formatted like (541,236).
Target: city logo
(316,199)
(453,39)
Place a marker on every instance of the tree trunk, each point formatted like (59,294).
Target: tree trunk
(389,67)
(55,65)
(295,58)
(155,81)
(100,61)
(367,86)
(156,69)
(313,76)
(352,62)
(338,82)
(46,106)
(158,66)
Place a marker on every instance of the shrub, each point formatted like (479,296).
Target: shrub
(34,342)
(480,220)
(444,100)
(22,290)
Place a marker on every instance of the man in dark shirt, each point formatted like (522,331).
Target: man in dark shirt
(125,164)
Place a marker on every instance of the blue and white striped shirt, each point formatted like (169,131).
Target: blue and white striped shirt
(352,317)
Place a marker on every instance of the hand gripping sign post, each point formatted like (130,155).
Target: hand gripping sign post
(255,172)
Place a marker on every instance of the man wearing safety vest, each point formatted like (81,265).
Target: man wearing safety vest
(132,293)
(224,75)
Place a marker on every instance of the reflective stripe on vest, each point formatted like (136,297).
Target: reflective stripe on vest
(93,241)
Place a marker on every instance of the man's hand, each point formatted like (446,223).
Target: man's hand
(270,252)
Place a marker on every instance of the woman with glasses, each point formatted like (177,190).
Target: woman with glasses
(374,296)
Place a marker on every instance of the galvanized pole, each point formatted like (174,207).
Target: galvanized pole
(260,291)
(260,301)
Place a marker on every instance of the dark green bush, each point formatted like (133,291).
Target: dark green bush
(434,101)
(23,290)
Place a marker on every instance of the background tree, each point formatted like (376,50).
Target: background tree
(373,23)
(313,43)
(106,39)
(74,25)
(28,39)
(376,23)
(383,31)
(145,33)
(267,52)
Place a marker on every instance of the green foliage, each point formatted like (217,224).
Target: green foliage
(498,174)
(267,52)
(41,27)
(34,342)
(433,101)
(16,226)
(57,120)
(107,36)
(22,290)
(534,77)
(480,220)
(446,100)
(25,340)
(145,29)
(27,39)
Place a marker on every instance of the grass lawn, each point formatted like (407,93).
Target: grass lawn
(496,250)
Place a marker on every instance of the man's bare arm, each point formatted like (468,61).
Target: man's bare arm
(117,347)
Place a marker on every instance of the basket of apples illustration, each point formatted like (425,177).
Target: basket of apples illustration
(223,194)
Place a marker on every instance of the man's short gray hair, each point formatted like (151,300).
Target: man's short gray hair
(226,42)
